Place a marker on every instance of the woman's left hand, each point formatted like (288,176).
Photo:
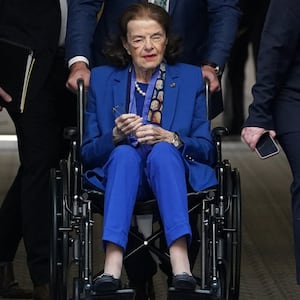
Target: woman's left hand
(151,134)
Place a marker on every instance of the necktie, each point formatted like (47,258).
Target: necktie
(162,3)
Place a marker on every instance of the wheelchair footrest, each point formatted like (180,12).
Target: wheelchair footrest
(188,295)
(123,294)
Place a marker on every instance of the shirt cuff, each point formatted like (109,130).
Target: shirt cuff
(76,59)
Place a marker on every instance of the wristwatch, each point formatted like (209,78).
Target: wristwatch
(176,140)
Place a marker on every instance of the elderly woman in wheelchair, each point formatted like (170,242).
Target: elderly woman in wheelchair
(146,135)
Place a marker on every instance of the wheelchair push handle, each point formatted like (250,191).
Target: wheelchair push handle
(214,102)
(80,108)
(74,133)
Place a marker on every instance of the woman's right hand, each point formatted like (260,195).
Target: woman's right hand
(126,124)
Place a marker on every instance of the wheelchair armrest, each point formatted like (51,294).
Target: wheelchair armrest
(219,131)
(217,134)
(70,133)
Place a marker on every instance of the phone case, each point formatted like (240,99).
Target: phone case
(266,146)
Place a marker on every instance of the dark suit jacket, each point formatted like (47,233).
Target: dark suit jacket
(184,112)
(276,93)
(207,27)
(36,24)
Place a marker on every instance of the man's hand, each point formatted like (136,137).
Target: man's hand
(208,72)
(79,70)
(5,96)
(251,135)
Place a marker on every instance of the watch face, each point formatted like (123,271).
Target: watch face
(175,141)
(218,70)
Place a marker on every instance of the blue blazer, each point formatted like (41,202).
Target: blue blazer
(184,112)
(208,28)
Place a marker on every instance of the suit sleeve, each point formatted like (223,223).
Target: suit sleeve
(279,43)
(223,17)
(82,22)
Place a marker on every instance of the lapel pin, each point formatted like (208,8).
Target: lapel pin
(173,84)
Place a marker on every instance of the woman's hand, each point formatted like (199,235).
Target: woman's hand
(126,124)
(151,134)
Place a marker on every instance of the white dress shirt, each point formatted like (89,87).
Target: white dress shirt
(63,27)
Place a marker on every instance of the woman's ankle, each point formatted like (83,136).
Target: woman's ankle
(113,260)
(179,257)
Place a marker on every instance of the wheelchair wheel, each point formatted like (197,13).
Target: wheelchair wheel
(230,271)
(59,239)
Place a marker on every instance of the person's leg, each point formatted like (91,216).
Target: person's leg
(166,174)
(291,146)
(122,172)
(39,132)
(234,82)
(167,177)
(10,235)
(11,221)
(179,258)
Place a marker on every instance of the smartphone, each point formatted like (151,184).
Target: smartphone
(266,146)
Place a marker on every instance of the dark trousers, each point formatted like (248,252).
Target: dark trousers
(25,211)
(290,143)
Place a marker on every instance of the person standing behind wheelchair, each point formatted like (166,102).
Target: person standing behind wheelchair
(49,107)
(276,95)
(146,134)
(207,27)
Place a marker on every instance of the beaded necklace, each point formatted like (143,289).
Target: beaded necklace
(139,90)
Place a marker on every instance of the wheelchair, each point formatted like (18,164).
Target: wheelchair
(73,206)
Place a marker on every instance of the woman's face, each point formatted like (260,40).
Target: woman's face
(146,43)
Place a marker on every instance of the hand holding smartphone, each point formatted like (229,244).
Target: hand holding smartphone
(266,146)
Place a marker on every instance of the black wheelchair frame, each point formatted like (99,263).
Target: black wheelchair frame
(73,206)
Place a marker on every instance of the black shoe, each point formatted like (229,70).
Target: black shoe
(106,283)
(144,290)
(14,291)
(184,281)
(9,287)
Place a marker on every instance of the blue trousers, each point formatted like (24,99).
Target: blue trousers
(134,173)
(290,143)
